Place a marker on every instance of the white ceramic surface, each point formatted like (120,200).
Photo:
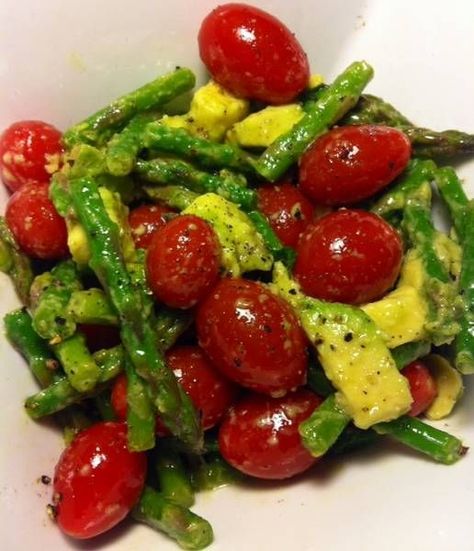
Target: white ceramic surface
(60,60)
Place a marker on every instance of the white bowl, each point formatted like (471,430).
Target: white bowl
(59,61)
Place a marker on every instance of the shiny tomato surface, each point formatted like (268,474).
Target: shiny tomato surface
(352,163)
(253,54)
(422,386)
(350,256)
(145,221)
(183,261)
(259,435)
(252,336)
(38,228)
(97,481)
(287,209)
(27,148)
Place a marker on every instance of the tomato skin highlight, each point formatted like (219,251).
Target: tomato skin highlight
(253,54)
(183,261)
(252,336)
(287,209)
(26,148)
(38,228)
(352,163)
(422,386)
(259,435)
(145,221)
(349,256)
(97,481)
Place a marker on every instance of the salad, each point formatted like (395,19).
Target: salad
(236,290)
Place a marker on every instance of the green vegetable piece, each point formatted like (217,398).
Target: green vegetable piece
(188,529)
(20,332)
(131,303)
(318,381)
(169,325)
(208,154)
(173,479)
(374,110)
(50,318)
(177,172)
(78,364)
(211,471)
(91,307)
(333,103)
(100,126)
(176,197)
(323,427)
(15,263)
(437,444)
(104,406)
(123,148)
(409,352)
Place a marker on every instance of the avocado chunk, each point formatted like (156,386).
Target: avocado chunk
(243,249)
(353,354)
(448,383)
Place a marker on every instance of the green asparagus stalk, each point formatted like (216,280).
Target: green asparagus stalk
(179,142)
(174,406)
(100,126)
(318,381)
(14,263)
(177,172)
(435,443)
(462,214)
(78,363)
(91,307)
(50,318)
(104,406)
(169,325)
(123,148)
(374,110)
(20,332)
(73,421)
(173,479)
(176,197)
(211,471)
(140,413)
(409,352)
(188,529)
(332,105)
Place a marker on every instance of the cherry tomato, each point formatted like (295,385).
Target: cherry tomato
(287,210)
(252,336)
(38,228)
(211,392)
(99,337)
(259,435)
(422,386)
(97,481)
(145,221)
(350,256)
(253,54)
(183,261)
(26,149)
(351,163)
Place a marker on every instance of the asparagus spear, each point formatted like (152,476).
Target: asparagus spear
(123,148)
(179,142)
(176,197)
(20,332)
(188,529)
(409,352)
(50,318)
(91,307)
(212,471)
(174,406)
(462,213)
(175,171)
(374,110)
(14,263)
(333,103)
(100,126)
(104,406)
(173,480)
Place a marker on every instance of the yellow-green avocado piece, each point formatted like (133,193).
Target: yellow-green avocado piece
(353,354)
(243,249)
(448,383)
(212,112)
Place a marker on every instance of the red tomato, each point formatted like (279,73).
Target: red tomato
(252,54)
(422,386)
(38,228)
(145,221)
(26,149)
(287,210)
(118,397)
(351,163)
(211,393)
(259,435)
(183,261)
(97,481)
(252,336)
(349,256)
(99,337)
